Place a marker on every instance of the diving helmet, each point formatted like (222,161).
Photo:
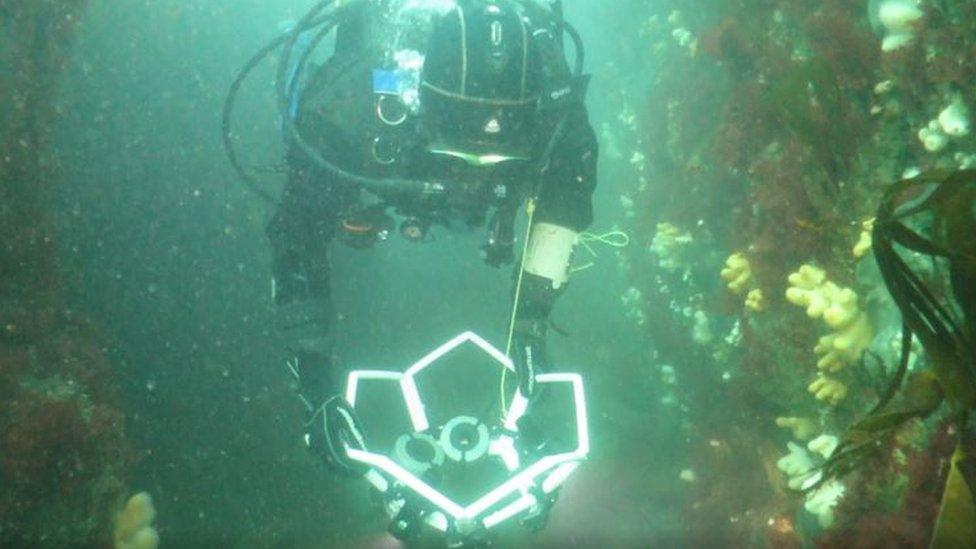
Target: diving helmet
(480,85)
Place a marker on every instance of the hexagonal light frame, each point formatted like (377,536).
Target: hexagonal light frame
(553,469)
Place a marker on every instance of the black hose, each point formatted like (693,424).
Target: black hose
(226,131)
(380,187)
(230,102)
(311,20)
(578,46)
(307,54)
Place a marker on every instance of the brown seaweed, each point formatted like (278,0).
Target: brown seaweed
(941,320)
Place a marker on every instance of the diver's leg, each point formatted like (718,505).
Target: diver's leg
(303,318)
(300,234)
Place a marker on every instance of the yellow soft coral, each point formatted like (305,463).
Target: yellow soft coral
(844,346)
(133,524)
(670,244)
(828,389)
(863,245)
(737,272)
(755,300)
(806,290)
(838,307)
(803,428)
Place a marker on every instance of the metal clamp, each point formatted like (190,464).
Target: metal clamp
(382,100)
(385,150)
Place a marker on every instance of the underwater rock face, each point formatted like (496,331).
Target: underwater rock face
(782,136)
(671,245)
(63,451)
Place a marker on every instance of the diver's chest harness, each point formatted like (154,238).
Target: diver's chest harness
(466,195)
(383,145)
(394,145)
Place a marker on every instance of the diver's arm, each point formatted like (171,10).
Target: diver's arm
(304,225)
(300,233)
(565,193)
(563,210)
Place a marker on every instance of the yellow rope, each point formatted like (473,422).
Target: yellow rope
(530,210)
(614,239)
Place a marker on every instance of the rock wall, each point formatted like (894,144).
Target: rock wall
(64,455)
(767,136)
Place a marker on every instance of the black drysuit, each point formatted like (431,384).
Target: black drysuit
(338,116)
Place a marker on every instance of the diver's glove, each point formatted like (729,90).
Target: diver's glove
(330,423)
(332,429)
(529,354)
(498,252)
(499,248)
(312,371)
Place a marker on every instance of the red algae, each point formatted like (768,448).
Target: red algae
(876,517)
(812,122)
(64,452)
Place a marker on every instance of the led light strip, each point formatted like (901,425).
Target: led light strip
(557,477)
(558,466)
(418,415)
(579,398)
(519,405)
(519,481)
(352,381)
(516,507)
(399,473)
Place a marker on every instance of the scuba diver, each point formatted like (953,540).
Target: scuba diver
(437,112)
(431,112)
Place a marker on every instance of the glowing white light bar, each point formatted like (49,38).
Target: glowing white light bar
(556,467)
(352,381)
(516,410)
(579,397)
(515,483)
(491,350)
(455,342)
(504,447)
(420,487)
(557,477)
(377,480)
(418,415)
(509,511)
(437,353)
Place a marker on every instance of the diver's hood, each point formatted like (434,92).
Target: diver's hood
(480,84)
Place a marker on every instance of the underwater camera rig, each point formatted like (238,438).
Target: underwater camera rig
(441,457)
(297,46)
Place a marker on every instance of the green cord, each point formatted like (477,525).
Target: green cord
(614,239)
